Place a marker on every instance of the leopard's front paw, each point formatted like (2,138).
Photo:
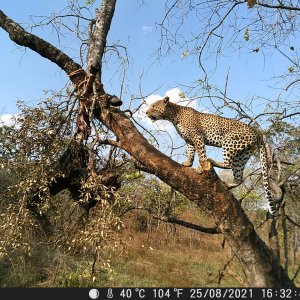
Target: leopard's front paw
(199,169)
(205,165)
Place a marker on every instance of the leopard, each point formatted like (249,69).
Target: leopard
(237,140)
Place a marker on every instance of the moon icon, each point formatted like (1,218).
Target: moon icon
(94,293)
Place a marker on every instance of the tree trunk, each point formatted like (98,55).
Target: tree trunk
(273,238)
(285,238)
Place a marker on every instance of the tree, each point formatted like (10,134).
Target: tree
(95,105)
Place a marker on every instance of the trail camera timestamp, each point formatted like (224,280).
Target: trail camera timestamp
(209,293)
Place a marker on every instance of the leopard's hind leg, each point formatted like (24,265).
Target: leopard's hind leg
(238,165)
(230,150)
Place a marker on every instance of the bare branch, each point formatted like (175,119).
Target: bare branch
(45,49)
(292,221)
(212,32)
(280,6)
(109,142)
(210,230)
(221,274)
(97,41)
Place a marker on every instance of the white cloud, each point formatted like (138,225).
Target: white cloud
(147,29)
(175,95)
(167,133)
(141,113)
(7,120)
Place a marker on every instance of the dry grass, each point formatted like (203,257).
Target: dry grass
(172,256)
(160,255)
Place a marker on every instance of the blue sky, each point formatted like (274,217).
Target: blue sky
(26,75)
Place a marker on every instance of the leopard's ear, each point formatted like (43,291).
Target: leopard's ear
(166,99)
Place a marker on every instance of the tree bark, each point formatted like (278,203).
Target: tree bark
(207,190)
(97,39)
(285,238)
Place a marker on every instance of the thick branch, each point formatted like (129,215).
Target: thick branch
(97,40)
(45,49)
(207,190)
(74,70)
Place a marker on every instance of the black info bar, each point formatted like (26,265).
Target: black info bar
(148,293)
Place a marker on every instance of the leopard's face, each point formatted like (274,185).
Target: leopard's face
(157,110)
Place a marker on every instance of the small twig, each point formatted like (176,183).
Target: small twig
(296,274)
(137,123)
(109,142)
(226,83)
(221,274)
(292,221)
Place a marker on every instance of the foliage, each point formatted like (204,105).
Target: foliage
(150,194)
(246,35)
(30,165)
(90,2)
(28,152)
(285,136)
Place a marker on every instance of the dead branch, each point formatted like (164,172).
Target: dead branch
(172,220)
(221,274)
(210,230)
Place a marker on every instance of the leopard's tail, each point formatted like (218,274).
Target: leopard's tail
(265,178)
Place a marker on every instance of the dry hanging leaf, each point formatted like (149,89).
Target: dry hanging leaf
(251,3)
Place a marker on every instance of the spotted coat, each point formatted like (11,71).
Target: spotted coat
(237,139)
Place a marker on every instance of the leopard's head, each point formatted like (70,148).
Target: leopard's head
(158,110)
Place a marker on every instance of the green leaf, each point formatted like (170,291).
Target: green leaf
(246,35)
(134,175)
(184,53)
(89,2)
(182,95)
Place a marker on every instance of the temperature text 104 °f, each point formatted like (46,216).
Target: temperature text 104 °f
(161,293)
